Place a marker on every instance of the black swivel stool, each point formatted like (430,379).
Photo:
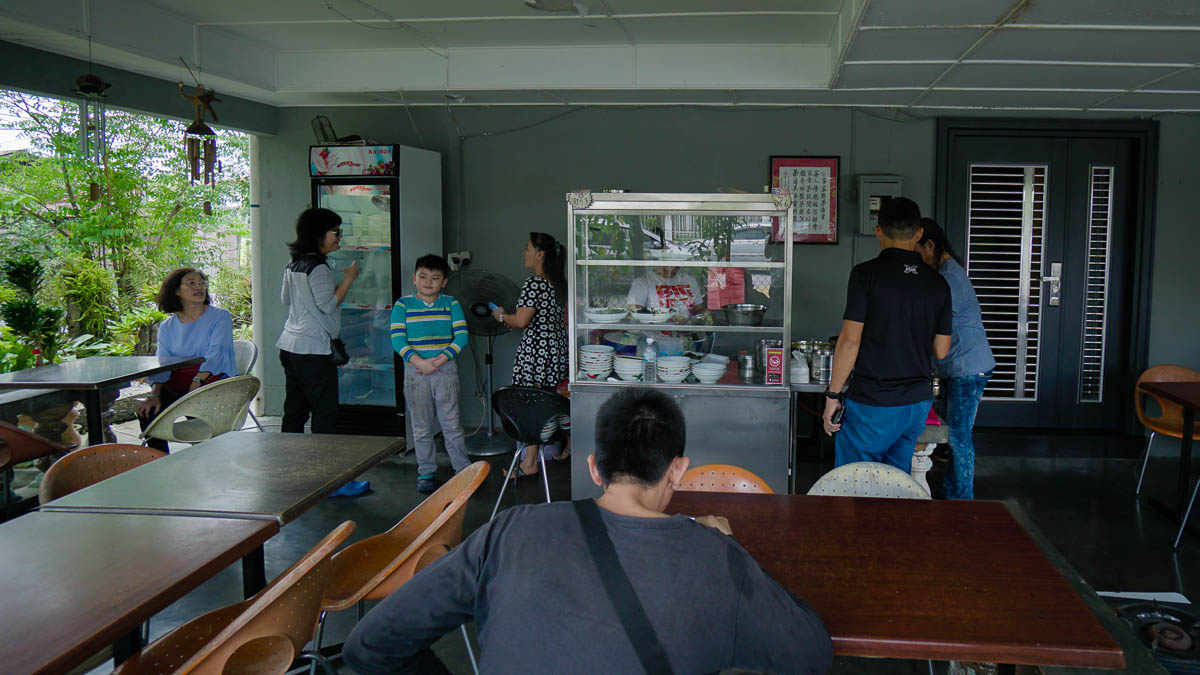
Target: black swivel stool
(523,412)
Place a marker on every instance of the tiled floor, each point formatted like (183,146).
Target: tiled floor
(1084,505)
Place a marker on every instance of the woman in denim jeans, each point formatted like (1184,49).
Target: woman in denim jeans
(968,365)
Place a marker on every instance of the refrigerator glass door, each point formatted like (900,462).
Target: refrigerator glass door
(369,378)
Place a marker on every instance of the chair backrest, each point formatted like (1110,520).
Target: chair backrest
(375,567)
(523,411)
(216,409)
(723,478)
(868,479)
(288,608)
(87,466)
(245,355)
(18,445)
(1172,413)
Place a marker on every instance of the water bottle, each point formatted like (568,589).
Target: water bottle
(649,361)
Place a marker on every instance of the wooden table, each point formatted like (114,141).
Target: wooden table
(1187,395)
(67,591)
(242,474)
(92,374)
(917,579)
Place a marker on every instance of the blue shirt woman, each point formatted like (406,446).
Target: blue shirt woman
(968,365)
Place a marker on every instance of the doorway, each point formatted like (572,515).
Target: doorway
(1051,224)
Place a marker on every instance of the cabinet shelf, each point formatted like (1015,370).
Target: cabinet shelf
(680,328)
(609,262)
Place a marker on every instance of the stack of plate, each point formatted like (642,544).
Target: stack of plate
(629,368)
(708,373)
(595,361)
(673,369)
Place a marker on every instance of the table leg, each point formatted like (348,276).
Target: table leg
(126,646)
(95,424)
(254,572)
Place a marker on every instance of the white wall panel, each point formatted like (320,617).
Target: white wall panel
(358,70)
(732,66)
(542,68)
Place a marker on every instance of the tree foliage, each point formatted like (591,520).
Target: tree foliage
(146,218)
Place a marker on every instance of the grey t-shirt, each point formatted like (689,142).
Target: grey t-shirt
(528,573)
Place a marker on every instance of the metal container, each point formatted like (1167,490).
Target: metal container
(744,314)
(760,352)
(937,387)
(746,361)
(822,367)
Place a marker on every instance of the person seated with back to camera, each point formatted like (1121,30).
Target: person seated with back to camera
(708,602)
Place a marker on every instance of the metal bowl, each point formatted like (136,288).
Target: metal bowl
(744,314)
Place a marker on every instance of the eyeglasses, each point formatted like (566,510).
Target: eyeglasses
(196,284)
(337,231)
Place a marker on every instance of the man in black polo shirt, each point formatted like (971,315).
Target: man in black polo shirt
(897,319)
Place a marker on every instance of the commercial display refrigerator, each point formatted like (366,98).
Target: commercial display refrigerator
(390,201)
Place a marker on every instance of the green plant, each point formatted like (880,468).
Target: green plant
(231,290)
(14,354)
(24,272)
(40,325)
(90,292)
(130,329)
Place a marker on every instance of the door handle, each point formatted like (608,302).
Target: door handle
(1054,292)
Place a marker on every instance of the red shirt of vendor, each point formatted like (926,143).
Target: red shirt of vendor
(666,288)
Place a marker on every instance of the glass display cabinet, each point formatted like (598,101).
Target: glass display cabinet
(695,278)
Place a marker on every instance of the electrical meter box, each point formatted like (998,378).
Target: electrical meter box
(871,192)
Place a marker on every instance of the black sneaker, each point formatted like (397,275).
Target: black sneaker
(427,485)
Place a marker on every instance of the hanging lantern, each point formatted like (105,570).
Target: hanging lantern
(201,140)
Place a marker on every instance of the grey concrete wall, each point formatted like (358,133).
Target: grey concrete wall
(514,182)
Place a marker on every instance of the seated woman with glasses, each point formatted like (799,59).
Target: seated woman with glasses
(195,328)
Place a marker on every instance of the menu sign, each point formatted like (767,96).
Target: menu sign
(812,182)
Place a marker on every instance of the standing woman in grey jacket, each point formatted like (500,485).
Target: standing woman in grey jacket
(314,318)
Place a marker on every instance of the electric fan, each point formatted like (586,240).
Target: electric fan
(474,289)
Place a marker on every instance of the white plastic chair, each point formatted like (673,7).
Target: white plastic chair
(212,410)
(245,354)
(868,479)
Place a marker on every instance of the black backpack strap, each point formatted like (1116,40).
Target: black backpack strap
(629,610)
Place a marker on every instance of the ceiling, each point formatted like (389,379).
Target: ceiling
(1121,56)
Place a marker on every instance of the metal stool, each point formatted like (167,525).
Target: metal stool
(523,412)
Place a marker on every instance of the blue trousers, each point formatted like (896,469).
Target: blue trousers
(961,405)
(886,434)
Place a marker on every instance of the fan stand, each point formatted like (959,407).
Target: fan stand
(491,443)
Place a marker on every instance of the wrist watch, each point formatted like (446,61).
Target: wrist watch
(501,319)
(835,396)
(198,380)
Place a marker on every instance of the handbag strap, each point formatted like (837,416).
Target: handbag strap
(616,583)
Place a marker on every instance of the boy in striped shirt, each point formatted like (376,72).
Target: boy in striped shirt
(428,332)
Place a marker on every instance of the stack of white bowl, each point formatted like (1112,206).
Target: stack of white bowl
(708,373)
(596,361)
(629,368)
(673,369)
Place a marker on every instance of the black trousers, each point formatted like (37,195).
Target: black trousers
(165,398)
(311,389)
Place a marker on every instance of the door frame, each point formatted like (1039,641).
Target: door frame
(1142,132)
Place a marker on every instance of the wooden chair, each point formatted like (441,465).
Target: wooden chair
(375,567)
(264,634)
(723,478)
(17,446)
(1170,422)
(212,410)
(87,466)
(245,354)
(868,479)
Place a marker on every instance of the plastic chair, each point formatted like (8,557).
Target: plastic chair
(264,634)
(87,466)
(17,446)
(868,479)
(245,355)
(523,412)
(1170,422)
(723,478)
(374,568)
(213,409)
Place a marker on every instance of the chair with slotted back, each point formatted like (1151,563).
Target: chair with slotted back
(524,412)
(17,446)
(868,479)
(723,478)
(1170,421)
(375,567)
(245,354)
(211,410)
(87,466)
(264,634)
